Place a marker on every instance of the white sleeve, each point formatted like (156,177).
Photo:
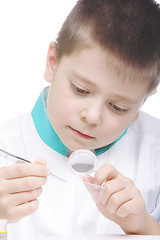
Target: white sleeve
(156,212)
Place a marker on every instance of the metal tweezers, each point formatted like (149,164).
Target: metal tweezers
(22,159)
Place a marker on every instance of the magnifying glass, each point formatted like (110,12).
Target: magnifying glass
(82,162)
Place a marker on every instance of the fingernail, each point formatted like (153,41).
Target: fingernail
(47,171)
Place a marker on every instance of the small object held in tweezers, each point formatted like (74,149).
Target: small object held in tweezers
(25,160)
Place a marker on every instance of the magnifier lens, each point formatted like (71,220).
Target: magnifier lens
(82,161)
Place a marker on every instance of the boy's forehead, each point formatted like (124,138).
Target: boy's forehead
(115,67)
(117,92)
(110,76)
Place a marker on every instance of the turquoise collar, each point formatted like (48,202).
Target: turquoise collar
(46,131)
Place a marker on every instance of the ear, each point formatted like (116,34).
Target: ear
(50,62)
(135,117)
(153,92)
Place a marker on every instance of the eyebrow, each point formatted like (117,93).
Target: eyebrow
(117,96)
(84,79)
(126,99)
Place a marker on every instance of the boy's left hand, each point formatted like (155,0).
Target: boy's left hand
(119,199)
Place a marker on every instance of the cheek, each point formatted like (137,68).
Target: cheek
(113,128)
(60,108)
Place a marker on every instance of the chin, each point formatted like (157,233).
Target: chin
(74,147)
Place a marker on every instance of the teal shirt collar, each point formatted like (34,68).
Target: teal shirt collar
(46,131)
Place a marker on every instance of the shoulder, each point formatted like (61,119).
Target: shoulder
(9,127)
(15,132)
(13,126)
(146,128)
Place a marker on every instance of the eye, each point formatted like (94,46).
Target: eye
(79,90)
(118,109)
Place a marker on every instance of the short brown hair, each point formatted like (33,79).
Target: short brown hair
(129,30)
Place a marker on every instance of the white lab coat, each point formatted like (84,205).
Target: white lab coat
(67,208)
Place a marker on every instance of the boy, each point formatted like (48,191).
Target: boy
(105,64)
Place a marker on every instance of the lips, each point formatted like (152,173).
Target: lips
(80,134)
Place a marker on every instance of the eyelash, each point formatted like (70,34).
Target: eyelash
(118,109)
(82,91)
(79,90)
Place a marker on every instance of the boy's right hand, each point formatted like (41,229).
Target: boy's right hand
(20,186)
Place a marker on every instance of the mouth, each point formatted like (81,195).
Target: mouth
(80,134)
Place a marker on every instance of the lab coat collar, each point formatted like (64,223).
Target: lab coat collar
(46,131)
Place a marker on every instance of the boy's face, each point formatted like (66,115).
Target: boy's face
(88,108)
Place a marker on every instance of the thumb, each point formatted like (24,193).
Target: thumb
(88,179)
(93,189)
(41,161)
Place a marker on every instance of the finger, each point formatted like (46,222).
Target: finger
(135,206)
(41,161)
(118,199)
(111,187)
(23,197)
(105,172)
(11,200)
(88,181)
(23,170)
(24,184)
(125,209)
(23,210)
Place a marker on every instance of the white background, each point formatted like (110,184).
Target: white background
(26,29)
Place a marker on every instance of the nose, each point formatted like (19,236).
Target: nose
(91,113)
